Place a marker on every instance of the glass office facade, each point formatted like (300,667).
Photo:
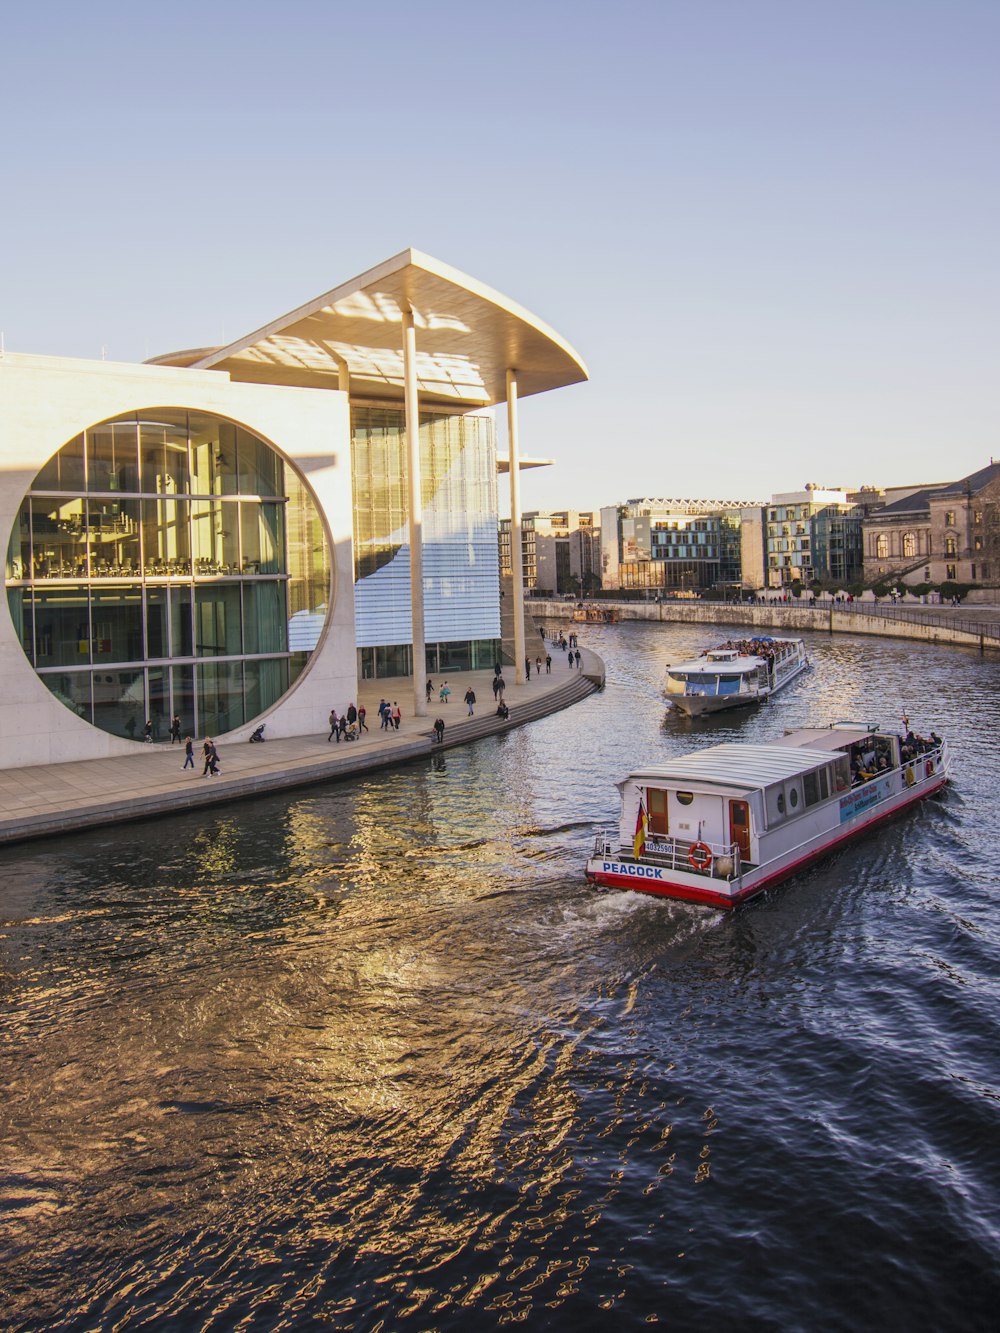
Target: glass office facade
(461,574)
(154,568)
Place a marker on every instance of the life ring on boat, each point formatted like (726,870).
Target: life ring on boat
(700,855)
(929,767)
(910,776)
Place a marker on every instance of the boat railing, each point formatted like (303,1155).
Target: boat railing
(717,860)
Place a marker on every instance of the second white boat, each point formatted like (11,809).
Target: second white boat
(735,674)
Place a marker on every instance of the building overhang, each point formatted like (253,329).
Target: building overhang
(503,463)
(468,337)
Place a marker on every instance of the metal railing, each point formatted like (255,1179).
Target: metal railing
(717,860)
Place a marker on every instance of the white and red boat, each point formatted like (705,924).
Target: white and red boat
(721,825)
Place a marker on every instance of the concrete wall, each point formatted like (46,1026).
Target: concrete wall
(46,401)
(774,619)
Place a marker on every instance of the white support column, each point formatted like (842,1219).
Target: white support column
(516,558)
(416,513)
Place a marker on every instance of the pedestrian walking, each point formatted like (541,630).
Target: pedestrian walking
(501,686)
(439,730)
(213,761)
(538,666)
(445,693)
(207,750)
(496,685)
(352,714)
(175,730)
(342,728)
(578,658)
(470,699)
(397,716)
(362,714)
(188,753)
(548,664)
(334,726)
(527,668)
(147,731)
(383,712)
(430,690)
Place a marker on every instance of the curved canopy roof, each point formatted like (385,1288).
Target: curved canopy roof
(467,337)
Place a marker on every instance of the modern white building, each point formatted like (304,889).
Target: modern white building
(234,534)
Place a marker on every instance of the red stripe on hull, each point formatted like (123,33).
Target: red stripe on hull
(712,898)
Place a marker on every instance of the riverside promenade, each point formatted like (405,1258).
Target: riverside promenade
(50,799)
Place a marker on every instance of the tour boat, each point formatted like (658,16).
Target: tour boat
(721,825)
(735,674)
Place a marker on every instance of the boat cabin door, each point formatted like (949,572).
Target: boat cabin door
(656,810)
(739,827)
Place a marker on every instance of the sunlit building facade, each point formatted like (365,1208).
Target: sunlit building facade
(233,534)
(459,494)
(675,547)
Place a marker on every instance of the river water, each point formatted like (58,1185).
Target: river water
(376,1056)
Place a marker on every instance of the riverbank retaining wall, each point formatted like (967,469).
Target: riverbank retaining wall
(784,618)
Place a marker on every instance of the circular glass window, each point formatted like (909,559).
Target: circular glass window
(168,571)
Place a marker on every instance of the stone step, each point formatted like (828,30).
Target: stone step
(486,722)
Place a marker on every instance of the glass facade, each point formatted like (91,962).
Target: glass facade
(693,552)
(158,566)
(461,574)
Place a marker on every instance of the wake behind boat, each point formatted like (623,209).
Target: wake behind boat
(721,825)
(736,673)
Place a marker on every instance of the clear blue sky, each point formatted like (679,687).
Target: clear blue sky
(770,227)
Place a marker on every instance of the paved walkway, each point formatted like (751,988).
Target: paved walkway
(60,798)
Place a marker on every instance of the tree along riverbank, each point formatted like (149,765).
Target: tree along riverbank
(971,626)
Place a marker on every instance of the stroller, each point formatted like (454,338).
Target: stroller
(351,734)
(257,737)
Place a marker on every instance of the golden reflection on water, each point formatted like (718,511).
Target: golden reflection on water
(377,1051)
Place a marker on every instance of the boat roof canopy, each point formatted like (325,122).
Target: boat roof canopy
(736,765)
(828,738)
(718,666)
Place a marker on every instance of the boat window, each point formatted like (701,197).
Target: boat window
(824,784)
(781,802)
(793,798)
(810,788)
(685,797)
(842,772)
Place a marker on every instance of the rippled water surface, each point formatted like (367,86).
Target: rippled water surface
(376,1056)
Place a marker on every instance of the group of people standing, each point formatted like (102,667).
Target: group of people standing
(389,714)
(349,725)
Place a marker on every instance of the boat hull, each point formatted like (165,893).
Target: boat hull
(698,887)
(697,705)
